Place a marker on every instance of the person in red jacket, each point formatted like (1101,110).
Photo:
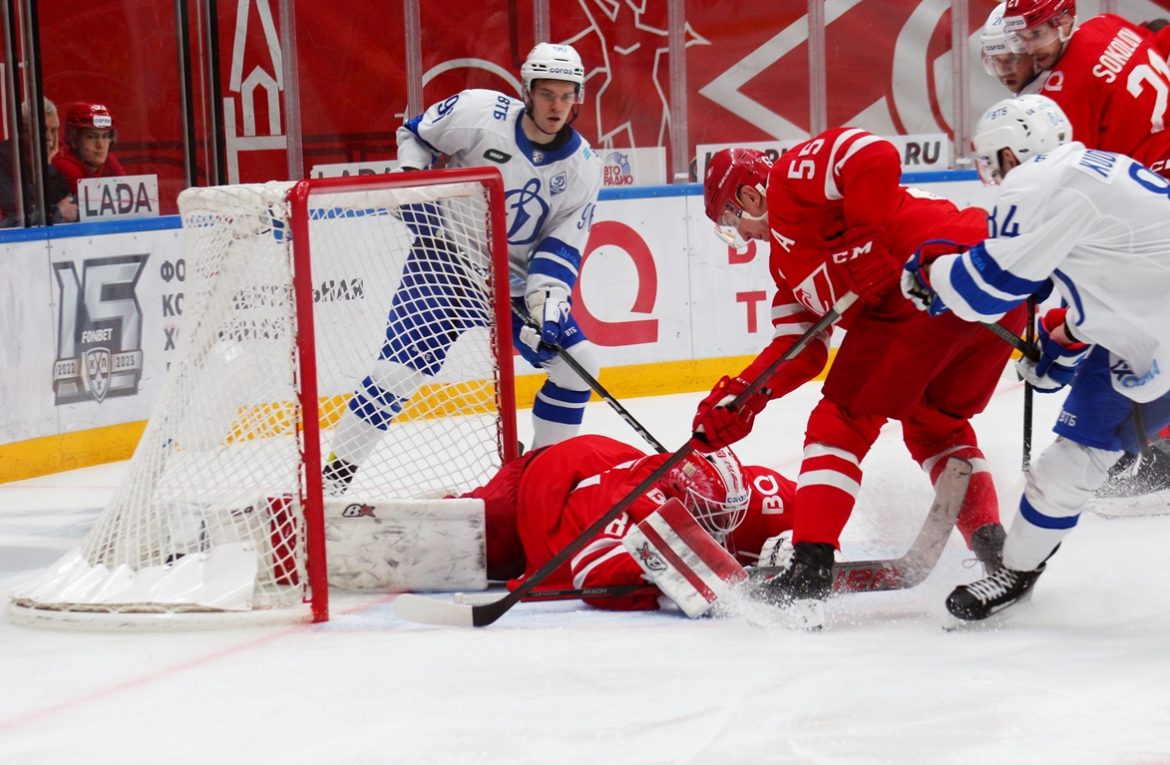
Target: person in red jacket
(536,504)
(1110,77)
(839,221)
(89,138)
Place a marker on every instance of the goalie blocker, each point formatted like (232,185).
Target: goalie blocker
(682,559)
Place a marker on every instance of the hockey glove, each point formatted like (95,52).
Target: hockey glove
(716,424)
(549,308)
(916,286)
(1058,360)
(863,264)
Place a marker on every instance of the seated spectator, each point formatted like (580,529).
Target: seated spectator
(63,205)
(89,136)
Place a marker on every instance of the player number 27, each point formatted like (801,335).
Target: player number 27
(1157,76)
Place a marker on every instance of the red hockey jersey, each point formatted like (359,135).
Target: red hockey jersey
(821,192)
(1112,82)
(568,486)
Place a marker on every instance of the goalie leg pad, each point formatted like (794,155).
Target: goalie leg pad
(400,545)
(682,559)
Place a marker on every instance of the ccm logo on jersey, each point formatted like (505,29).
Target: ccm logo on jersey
(857,250)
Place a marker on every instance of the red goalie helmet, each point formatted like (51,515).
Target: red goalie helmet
(712,487)
(1026,14)
(727,170)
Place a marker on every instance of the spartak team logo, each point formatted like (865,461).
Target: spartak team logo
(650,559)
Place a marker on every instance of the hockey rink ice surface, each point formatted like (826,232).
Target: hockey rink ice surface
(1081,674)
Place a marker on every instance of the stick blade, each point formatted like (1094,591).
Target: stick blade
(424,610)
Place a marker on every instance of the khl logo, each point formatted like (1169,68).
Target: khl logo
(99,332)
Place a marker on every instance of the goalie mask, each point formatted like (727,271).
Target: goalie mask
(713,489)
(1029,126)
(727,171)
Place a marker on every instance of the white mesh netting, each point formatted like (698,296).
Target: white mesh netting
(210,517)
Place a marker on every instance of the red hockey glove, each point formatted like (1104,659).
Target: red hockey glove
(1058,360)
(862,262)
(716,424)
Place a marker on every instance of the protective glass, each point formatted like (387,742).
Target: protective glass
(550,97)
(1037,38)
(727,227)
(1002,63)
(989,170)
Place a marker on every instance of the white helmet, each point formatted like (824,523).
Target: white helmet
(548,61)
(994,38)
(1028,125)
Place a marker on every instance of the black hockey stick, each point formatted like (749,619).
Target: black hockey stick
(593,383)
(1029,392)
(431,611)
(570,593)
(1026,348)
(916,564)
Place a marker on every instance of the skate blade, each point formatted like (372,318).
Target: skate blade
(807,615)
(995,620)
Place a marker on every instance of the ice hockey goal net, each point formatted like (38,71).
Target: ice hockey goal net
(287,293)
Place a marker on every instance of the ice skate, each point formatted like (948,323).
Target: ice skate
(804,586)
(1134,476)
(987,544)
(1003,588)
(336,476)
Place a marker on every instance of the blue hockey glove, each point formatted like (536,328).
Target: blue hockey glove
(549,308)
(1058,360)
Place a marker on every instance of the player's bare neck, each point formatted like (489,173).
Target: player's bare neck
(541,139)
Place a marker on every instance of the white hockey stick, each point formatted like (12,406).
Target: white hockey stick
(912,568)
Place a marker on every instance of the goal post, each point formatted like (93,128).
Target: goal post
(297,297)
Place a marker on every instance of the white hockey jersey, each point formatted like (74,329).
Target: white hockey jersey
(1097,225)
(550,192)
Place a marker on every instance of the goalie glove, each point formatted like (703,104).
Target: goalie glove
(549,308)
(1058,360)
(717,424)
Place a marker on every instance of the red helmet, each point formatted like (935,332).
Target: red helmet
(727,170)
(712,487)
(1025,14)
(88,117)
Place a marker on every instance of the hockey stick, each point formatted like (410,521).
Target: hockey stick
(1030,339)
(430,611)
(593,383)
(572,593)
(912,568)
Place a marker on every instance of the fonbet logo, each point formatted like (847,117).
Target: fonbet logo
(99,337)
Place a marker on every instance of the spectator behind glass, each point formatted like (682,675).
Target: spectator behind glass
(89,136)
(63,205)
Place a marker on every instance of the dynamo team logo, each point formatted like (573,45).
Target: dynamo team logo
(527,210)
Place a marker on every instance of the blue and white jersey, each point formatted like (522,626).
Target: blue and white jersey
(1097,225)
(550,195)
